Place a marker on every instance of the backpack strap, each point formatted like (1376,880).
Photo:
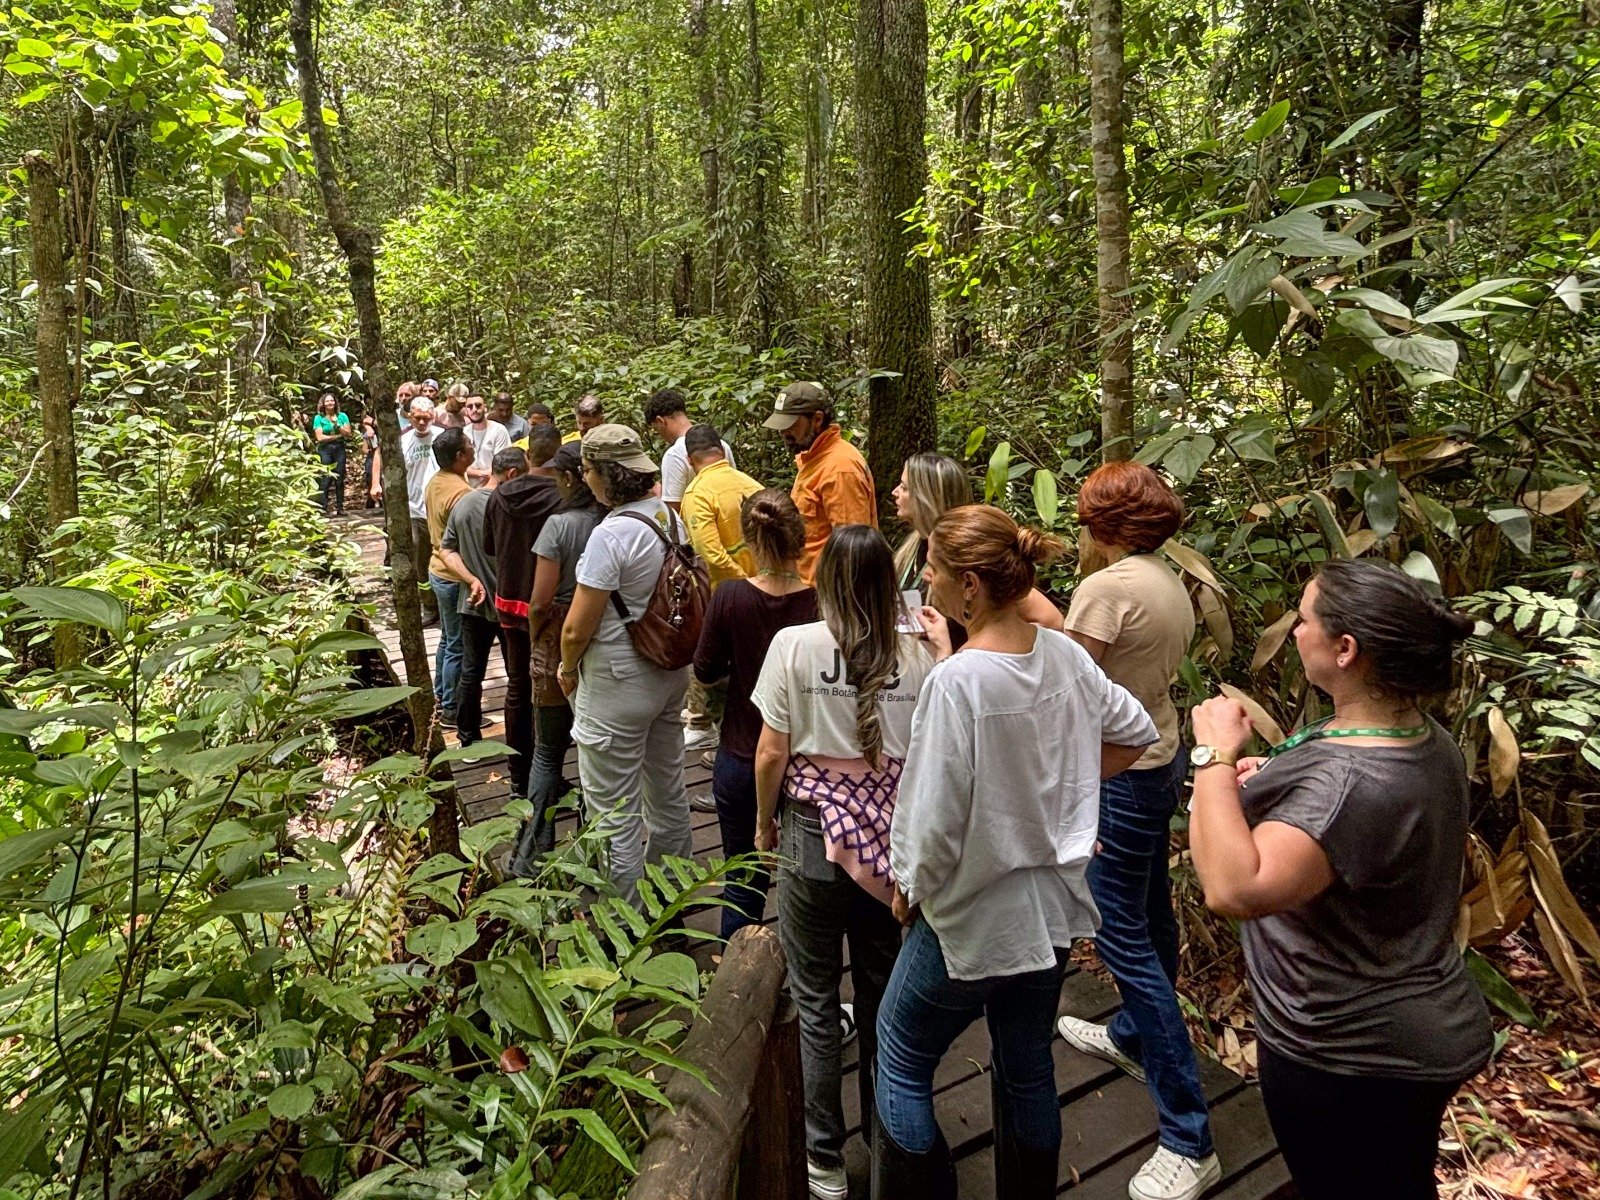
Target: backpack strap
(655,528)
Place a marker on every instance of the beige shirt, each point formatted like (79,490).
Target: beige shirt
(1139,608)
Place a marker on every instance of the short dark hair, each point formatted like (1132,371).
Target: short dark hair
(589,406)
(543,442)
(702,439)
(448,446)
(512,458)
(541,410)
(664,403)
(1407,636)
(505,398)
(623,484)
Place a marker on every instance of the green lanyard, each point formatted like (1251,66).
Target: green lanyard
(1315,732)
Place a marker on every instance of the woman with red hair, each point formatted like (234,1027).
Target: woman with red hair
(1134,618)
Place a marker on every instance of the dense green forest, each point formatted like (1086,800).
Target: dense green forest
(1333,267)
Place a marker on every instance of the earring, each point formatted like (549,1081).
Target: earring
(966,612)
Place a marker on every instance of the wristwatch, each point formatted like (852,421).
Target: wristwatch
(1207,756)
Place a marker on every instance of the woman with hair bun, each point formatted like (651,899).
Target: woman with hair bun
(993,832)
(743,618)
(1341,854)
(1134,618)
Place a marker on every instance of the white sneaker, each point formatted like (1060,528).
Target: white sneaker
(699,739)
(1096,1040)
(1168,1175)
(827,1183)
(847,1024)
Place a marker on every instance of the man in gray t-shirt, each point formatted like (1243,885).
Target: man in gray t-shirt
(1365,979)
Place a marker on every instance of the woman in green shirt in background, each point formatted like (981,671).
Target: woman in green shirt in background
(329,429)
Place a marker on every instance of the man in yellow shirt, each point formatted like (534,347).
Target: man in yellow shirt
(587,413)
(712,503)
(832,485)
(711,507)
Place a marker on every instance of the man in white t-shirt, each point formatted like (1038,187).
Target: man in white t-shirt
(667,412)
(487,438)
(416,451)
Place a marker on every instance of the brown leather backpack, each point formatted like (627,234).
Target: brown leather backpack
(668,630)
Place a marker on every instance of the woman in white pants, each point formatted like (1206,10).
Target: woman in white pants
(627,719)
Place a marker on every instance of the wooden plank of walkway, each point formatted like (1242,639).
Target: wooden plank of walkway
(1108,1123)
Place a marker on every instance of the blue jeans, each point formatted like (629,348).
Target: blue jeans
(447,658)
(924,1011)
(1138,942)
(733,786)
(552,731)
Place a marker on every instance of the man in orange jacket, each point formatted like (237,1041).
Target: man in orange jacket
(832,485)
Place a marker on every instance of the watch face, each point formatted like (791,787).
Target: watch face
(1203,755)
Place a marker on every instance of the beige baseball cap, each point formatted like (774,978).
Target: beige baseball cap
(796,401)
(617,444)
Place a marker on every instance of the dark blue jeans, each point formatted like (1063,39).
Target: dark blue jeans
(1138,942)
(733,786)
(552,734)
(924,1011)
(478,637)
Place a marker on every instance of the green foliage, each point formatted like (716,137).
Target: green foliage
(207,952)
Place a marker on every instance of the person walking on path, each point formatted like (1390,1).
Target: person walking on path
(836,699)
(992,836)
(556,552)
(1341,855)
(449,483)
(930,486)
(832,486)
(1135,619)
(516,514)
(330,429)
(626,709)
(416,451)
(666,412)
(369,472)
(465,551)
(741,621)
(711,510)
(487,438)
(504,410)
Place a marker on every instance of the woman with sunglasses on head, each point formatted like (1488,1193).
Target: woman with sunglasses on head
(1341,855)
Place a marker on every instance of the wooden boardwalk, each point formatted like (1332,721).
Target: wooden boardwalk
(1107,1120)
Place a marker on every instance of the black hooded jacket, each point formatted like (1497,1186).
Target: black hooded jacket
(516,513)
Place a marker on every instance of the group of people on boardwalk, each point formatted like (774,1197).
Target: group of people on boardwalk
(959,779)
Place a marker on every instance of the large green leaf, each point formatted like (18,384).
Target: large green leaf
(20,849)
(1268,123)
(1356,126)
(593,1124)
(442,942)
(1046,501)
(82,606)
(1498,990)
(1516,525)
(1381,502)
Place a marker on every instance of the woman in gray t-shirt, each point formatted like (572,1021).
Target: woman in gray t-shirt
(1341,853)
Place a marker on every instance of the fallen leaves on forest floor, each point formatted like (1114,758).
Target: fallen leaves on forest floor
(1527,1128)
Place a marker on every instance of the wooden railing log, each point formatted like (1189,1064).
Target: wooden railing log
(697,1150)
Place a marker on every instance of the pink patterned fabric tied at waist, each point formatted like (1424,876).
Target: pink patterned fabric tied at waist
(856,804)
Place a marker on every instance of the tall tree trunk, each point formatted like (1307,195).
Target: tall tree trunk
(249,352)
(763,169)
(55,382)
(405,573)
(891,64)
(125,300)
(968,194)
(707,278)
(1106,70)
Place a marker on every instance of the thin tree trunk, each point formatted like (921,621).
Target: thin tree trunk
(405,573)
(762,170)
(707,278)
(125,301)
(968,194)
(891,112)
(1106,71)
(249,352)
(55,380)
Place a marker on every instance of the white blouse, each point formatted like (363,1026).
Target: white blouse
(1000,801)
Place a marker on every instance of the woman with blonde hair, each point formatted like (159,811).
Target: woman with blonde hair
(930,486)
(836,699)
(993,833)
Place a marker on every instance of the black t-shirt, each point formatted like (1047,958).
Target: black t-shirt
(740,623)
